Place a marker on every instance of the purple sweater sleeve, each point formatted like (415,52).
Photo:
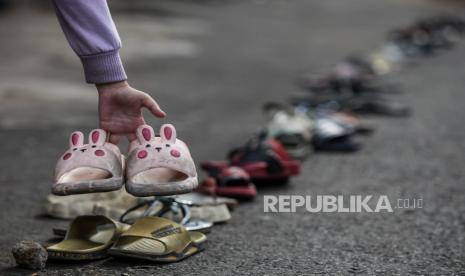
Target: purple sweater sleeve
(90,31)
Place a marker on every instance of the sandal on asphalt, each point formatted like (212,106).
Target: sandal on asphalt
(265,160)
(336,144)
(159,165)
(201,199)
(360,104)
(110,204)
(89,168)
(169,208)
(290,126)
(374,105)
(227,181)
(88,238)
(216,214)
(158,239)
(331,136)
(351,122)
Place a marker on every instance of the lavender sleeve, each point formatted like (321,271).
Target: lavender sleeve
(92,34)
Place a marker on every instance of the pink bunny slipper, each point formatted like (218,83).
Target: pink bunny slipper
(159,165)
(89,168)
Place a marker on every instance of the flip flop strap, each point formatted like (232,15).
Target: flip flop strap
(168,204)
(173,236)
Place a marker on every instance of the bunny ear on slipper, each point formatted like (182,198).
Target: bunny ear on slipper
(97,137)
(168,133)
(76,139)
(145,134)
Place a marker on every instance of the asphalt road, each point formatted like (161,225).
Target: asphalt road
(211,66)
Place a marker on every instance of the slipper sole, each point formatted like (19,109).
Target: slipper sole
(94,186)
(60,255)
(142,190)
(190,250)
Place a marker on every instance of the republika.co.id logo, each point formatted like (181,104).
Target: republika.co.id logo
(337,204)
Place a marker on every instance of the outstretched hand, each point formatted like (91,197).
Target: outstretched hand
(120,109)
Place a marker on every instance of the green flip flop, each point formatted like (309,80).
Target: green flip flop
(158,239)
(88,238)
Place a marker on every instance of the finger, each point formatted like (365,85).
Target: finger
(131,137)
(154,108)
(115,138)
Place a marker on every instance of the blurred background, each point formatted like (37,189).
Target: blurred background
(211,64)
(190,55)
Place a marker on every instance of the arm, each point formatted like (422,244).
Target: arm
(92,34)
(90,31)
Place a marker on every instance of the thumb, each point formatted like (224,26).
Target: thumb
(153,106)
(115,139)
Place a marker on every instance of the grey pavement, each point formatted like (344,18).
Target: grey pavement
(211,64)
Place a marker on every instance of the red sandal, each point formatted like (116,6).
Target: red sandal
(229,181)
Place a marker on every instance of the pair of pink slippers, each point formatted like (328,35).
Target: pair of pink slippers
(156,165)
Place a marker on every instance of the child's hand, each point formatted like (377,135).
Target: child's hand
(120,109)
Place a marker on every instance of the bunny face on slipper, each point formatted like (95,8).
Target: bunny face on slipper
(77,147)
(95,154)
(165,147)
(157,160)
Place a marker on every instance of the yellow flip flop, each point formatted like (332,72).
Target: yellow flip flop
(158,239)
(88,238)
